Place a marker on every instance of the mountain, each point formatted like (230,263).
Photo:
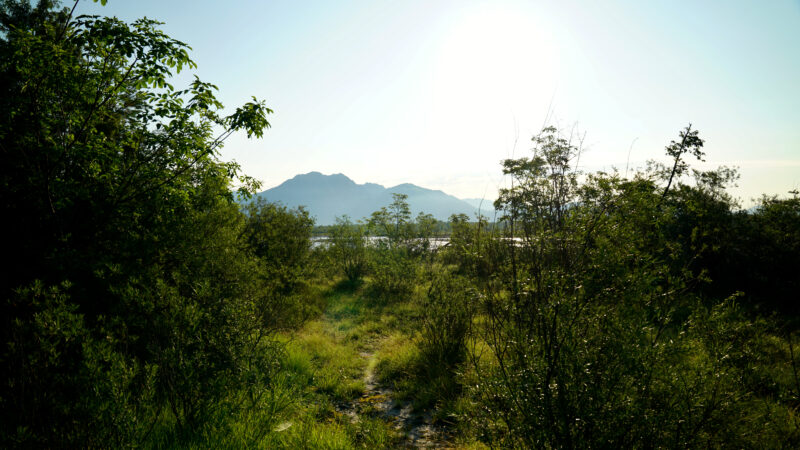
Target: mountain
(485,206)
(328,196)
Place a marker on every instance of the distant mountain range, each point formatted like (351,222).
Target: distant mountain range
(329,196)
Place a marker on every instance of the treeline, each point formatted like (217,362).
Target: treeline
(142,305)
(436,228)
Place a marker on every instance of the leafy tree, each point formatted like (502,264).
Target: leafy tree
(280,238)
(130,296)
(471,248)
(690,143)
(424,229)
(394,221)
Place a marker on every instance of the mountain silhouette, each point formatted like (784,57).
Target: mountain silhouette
(329,196)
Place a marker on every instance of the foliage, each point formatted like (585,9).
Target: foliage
(393,273)
(446,327)
(393,269)
(130,297)
(349,248)
(472,248)
(690,143)
(394,221)
(51,353)
(143,306)
(598,336)
(280,239)
(759,253)
(772,242)
(447,322)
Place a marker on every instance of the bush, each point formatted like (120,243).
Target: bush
(446,321)
(54,359)
(349,248)
(280,240)
(393,274)
(598,336)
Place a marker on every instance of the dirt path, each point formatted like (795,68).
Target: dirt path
(378,401)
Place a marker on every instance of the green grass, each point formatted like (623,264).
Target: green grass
(328,358)
(323,368)
(324,363)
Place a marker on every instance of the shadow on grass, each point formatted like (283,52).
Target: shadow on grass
(346,286)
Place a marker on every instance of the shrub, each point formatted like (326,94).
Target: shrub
(393,273)
(446,321)
(349,248)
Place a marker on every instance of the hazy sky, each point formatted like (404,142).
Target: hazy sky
(437,93)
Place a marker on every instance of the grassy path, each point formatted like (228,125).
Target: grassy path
(342,360)
(415,428)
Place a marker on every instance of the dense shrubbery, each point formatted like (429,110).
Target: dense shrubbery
(759,254)
(618,311)
(280,240)
(598,320)
(399,245)
(132,298)
(446,324)
(394,273)
(349,248)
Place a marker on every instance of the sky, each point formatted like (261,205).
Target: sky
(438,93)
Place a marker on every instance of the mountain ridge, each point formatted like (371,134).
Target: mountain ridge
(329,196)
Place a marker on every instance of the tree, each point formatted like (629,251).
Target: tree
(690,143)
(394,221)
(129,292)
(472,248)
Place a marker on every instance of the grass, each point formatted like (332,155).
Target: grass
(325,362)
(328,358)
(324,366)
(359,334)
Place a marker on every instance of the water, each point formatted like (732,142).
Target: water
(373,241)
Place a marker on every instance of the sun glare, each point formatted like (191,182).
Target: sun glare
(494,60)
